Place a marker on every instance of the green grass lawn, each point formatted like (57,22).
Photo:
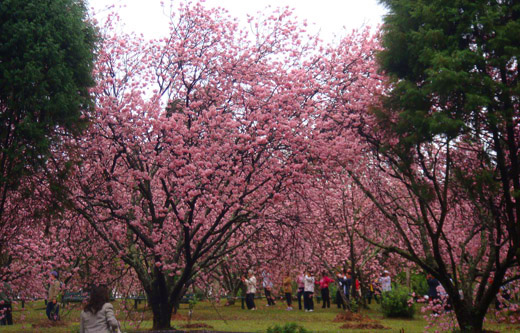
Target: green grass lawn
(221,318)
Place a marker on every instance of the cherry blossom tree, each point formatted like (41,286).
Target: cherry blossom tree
(26,251)
(277,248)
(343,212)
(195,136)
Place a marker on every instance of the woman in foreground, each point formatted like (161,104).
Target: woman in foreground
(98,315)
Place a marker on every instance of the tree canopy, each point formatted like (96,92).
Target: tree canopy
(453,71)
(214,151)
(46,62)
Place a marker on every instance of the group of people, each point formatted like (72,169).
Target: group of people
(97,315)
(306,284)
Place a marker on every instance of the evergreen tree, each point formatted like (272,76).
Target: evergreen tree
(453,67)
(46,62)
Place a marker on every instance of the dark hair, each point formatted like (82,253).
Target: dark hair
(98,297)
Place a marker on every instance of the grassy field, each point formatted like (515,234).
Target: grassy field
(220,318)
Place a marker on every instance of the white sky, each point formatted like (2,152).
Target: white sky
(329,16)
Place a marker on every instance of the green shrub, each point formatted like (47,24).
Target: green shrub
(354,305)
(396,303)
(287,328)
(333,287)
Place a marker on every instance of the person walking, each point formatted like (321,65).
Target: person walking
(267,284)
(53,308)
(287,289)
(98,315)
(250,283)
(300,281)
(308,292)
(324,288)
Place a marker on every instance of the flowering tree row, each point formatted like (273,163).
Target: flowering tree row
(214,149)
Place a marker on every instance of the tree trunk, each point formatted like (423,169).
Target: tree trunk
(164,305)
(162,312)
(469,321)
(177,295)
(160,302)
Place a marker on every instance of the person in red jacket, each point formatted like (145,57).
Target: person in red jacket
(358,288)
(324,287)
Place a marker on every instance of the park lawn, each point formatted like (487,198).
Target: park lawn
(221,318)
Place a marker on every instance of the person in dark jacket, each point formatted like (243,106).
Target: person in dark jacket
(6,310)
(348,284)
(433,293)
(341,279)
(433,283)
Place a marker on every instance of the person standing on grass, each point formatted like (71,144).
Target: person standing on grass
(267,284)
(300,281)
(53,307)
(358,288)
(433,294)
(6,310)
(386,282)
(433,283)
(308,292)
(347,287)
(371,292)
(324,288)
(342,279)
(250,283)
(287,289)
(98,315)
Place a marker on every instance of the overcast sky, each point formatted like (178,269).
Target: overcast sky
(329,16)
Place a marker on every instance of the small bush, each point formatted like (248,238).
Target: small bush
(397,303)
(287,328)
(354,305)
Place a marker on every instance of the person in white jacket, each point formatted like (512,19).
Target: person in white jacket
(308,291)
(386,282)
(250,282)
(98,315)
